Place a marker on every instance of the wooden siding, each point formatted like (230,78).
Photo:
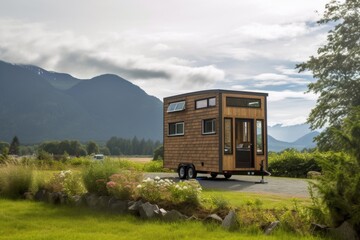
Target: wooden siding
(193,147)
(244,113)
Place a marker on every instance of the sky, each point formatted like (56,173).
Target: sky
(169,47)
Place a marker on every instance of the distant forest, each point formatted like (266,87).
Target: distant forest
(114,146)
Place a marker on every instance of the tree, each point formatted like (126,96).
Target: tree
(336,66)
(92,147)
(14,146)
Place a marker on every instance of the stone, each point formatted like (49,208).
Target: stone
(193,218)
(40,195)
(313,174)
(319,228)
(271,227)
(134,207)
(173,216)
(54,198)
(64,199)
(147,210)
(77,200)
(230,222)
(91,200)
(344,232)
(214,218)
(118,206)
(160,213)
(28,195)
(103,202)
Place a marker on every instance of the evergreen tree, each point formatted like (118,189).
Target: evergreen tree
(14,146)
(92,147)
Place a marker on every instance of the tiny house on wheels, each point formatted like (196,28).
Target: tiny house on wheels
(216,132)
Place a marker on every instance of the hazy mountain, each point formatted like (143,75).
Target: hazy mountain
(288,133)
(305,141)
(38,105)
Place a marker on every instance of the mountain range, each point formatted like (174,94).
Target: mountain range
(39,105)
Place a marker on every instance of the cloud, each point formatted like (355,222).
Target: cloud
(274,79)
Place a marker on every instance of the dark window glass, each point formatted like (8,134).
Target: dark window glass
(205,103)
(243,102)
(209,126)
(176,129)
(176,106)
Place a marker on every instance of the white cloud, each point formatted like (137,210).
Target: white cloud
(274,79)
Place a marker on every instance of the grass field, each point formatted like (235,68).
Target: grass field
(32,220)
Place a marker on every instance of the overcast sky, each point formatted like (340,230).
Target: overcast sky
(169,47)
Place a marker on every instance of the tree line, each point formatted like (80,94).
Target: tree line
(114,146)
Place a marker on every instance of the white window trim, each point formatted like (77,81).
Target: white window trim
(176,103)
(177,134)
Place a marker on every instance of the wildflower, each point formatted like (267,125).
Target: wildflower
(138,186)
(157,178)
(111,184)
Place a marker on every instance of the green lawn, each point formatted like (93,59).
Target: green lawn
(32,220)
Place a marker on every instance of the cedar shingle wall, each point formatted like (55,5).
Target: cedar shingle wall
(193,147)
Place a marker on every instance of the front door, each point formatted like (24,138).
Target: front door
(244,143)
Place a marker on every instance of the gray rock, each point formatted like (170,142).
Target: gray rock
(103,202)
(193,218)
(173,216)
(160,213)
(134,207)
(54,198)
(40,195)
(271,227)
(118,206)
(64,199)
(319,228)
(147,210)
(91,200)
(77,200)
(28,195)
(214,218)
(344,232)
(230,222)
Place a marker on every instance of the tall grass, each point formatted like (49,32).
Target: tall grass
(15,180)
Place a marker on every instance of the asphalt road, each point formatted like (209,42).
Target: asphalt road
(275,185)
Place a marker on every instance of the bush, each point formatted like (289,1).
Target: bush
(97,174)
(292,163)
(159,153)
(123,185)
(67,182)
(15,180)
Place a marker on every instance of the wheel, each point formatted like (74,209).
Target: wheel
(182,172)
(227,175)
(191,172)
(213,175)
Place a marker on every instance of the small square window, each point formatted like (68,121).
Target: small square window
(201,103)
(176,129)
(212,102)
(208,126)
(176,106)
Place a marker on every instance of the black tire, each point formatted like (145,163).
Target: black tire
(227,175)
(213,175)
(191,172)
(182,172)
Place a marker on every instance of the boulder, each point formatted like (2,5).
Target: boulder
(230,222)
(134,207)
(91,200)
(319,228)
(271,227)
(103,202)
(147,210)
(40,195)
(64,199)
(214,218)
(77,200)
(28,195)
(344,232)
(54,197)
(160,213)
(313,174)
(173,216)
(118,206)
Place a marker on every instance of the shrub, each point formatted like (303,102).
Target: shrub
(123,185)
(67,182)
(186,192)
(159,153)
(97,174)
(292,163)
(15,180)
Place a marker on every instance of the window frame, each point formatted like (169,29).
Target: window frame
(231,136)
(176,129)
(262,137)
(207,103)
(176,104)
(213,120)
(240,99)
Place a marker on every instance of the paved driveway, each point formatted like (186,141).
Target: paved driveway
(275,185)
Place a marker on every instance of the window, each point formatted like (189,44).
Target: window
(259,137)
(228,136)
(205,103)
(209,126)
(176,129)
(176,106)
(243,102)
